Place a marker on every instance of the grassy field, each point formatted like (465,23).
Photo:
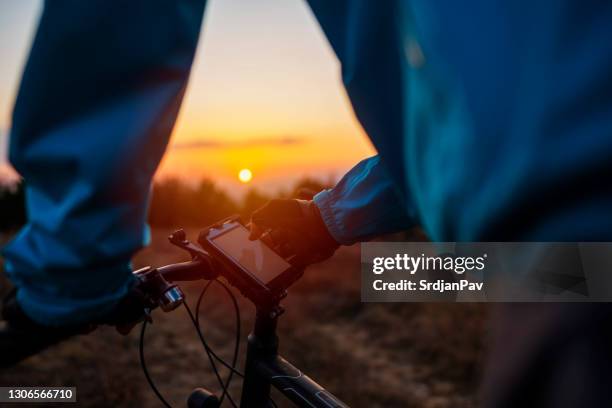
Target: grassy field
(370,355)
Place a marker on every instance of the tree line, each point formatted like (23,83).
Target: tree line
(174,203)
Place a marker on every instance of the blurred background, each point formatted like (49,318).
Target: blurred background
(264,115)
(264,95)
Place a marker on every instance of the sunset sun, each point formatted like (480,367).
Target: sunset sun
(245,175)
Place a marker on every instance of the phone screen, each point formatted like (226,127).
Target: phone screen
(254,256)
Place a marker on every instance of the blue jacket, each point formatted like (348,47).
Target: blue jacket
(492,120)
(97,102)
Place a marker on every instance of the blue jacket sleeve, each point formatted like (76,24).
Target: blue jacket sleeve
(365,203)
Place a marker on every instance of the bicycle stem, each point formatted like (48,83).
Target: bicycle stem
(262,346)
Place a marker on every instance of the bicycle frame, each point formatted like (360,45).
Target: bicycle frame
(265,368)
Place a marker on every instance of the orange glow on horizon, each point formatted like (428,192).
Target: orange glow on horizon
(266,95)
(276,164)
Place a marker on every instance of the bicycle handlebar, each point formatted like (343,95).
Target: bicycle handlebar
(157,284)
(196,269)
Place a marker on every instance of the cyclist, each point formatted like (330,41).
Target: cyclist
(491,121)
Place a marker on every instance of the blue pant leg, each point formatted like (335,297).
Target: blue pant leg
(98,100)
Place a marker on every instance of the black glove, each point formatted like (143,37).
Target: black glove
(124,316)
(21,337)
(295,229)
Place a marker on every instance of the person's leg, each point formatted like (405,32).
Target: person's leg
(98,99)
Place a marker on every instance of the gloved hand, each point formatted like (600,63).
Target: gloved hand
(295,229)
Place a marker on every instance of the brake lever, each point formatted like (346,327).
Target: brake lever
(179,238)
(208,270)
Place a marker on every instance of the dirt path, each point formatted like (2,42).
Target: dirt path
(371,355)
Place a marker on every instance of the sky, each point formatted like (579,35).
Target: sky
(265,94)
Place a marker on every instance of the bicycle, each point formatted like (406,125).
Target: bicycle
(264,367)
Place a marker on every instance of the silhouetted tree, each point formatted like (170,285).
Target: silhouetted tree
(174,203)
(252,201)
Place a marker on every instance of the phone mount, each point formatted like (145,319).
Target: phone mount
(266,297)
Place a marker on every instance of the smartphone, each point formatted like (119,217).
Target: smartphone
(252,266)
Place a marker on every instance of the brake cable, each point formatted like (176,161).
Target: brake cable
(237,331)
(237,314)
(232,368)
(210,357)
(143,365)
(210,353)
